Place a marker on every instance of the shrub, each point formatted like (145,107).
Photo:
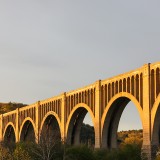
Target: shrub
(79,153)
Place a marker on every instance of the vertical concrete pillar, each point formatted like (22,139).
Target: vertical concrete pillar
(37,122)
(98,115)
(63,118)
(148,149)
(1,126)
(17,125)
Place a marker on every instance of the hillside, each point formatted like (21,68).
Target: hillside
(123,137)
(6,107)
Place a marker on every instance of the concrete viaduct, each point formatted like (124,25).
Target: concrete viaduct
(105,101)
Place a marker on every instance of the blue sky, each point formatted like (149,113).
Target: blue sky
(48,47)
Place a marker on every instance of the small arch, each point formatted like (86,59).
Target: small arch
(120,86)
(11,137)
(132,85)
(75,120)
(128,85)
(77,99)
(157,81)
(109,92)
(112,115)
(137,87)
(152,85)
(31,128)
(80,98)
(116,90)
(113,87)
(124,85)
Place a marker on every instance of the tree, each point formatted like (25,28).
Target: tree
(48,146)
(4,153)
(21,152)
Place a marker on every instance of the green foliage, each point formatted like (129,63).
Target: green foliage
(6,107)
(128,152)
(4,153)
(130,137)
(101,154)
(158,154)
(87,134)
(79,153)
(21,151)
(27,151)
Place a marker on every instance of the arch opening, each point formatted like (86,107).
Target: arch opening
(27,133)
(110,138)
(9,135)
(50,132)
(80,129)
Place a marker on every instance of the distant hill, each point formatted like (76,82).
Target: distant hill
(123,137)
(6,107)
(87,134)
(130,137)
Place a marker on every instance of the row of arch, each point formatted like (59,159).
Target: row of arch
(109,122)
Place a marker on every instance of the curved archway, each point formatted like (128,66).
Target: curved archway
(155,118)
(9,135)
(50,128)
(74,123)
(112,115)
(27,130)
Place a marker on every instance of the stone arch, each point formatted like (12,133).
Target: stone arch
(111,116)
(51,113)
(75,121)
(23,136)
(11,137)
(155,121)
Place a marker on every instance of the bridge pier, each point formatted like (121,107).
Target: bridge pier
(17,126)
(148,148)
(37,122)
(98,115)
(63,119)
(149,152)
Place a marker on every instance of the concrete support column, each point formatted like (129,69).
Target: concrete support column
(1,126)
(17,125)
(148,149)
(98,115)
(37,122)
(63,118)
